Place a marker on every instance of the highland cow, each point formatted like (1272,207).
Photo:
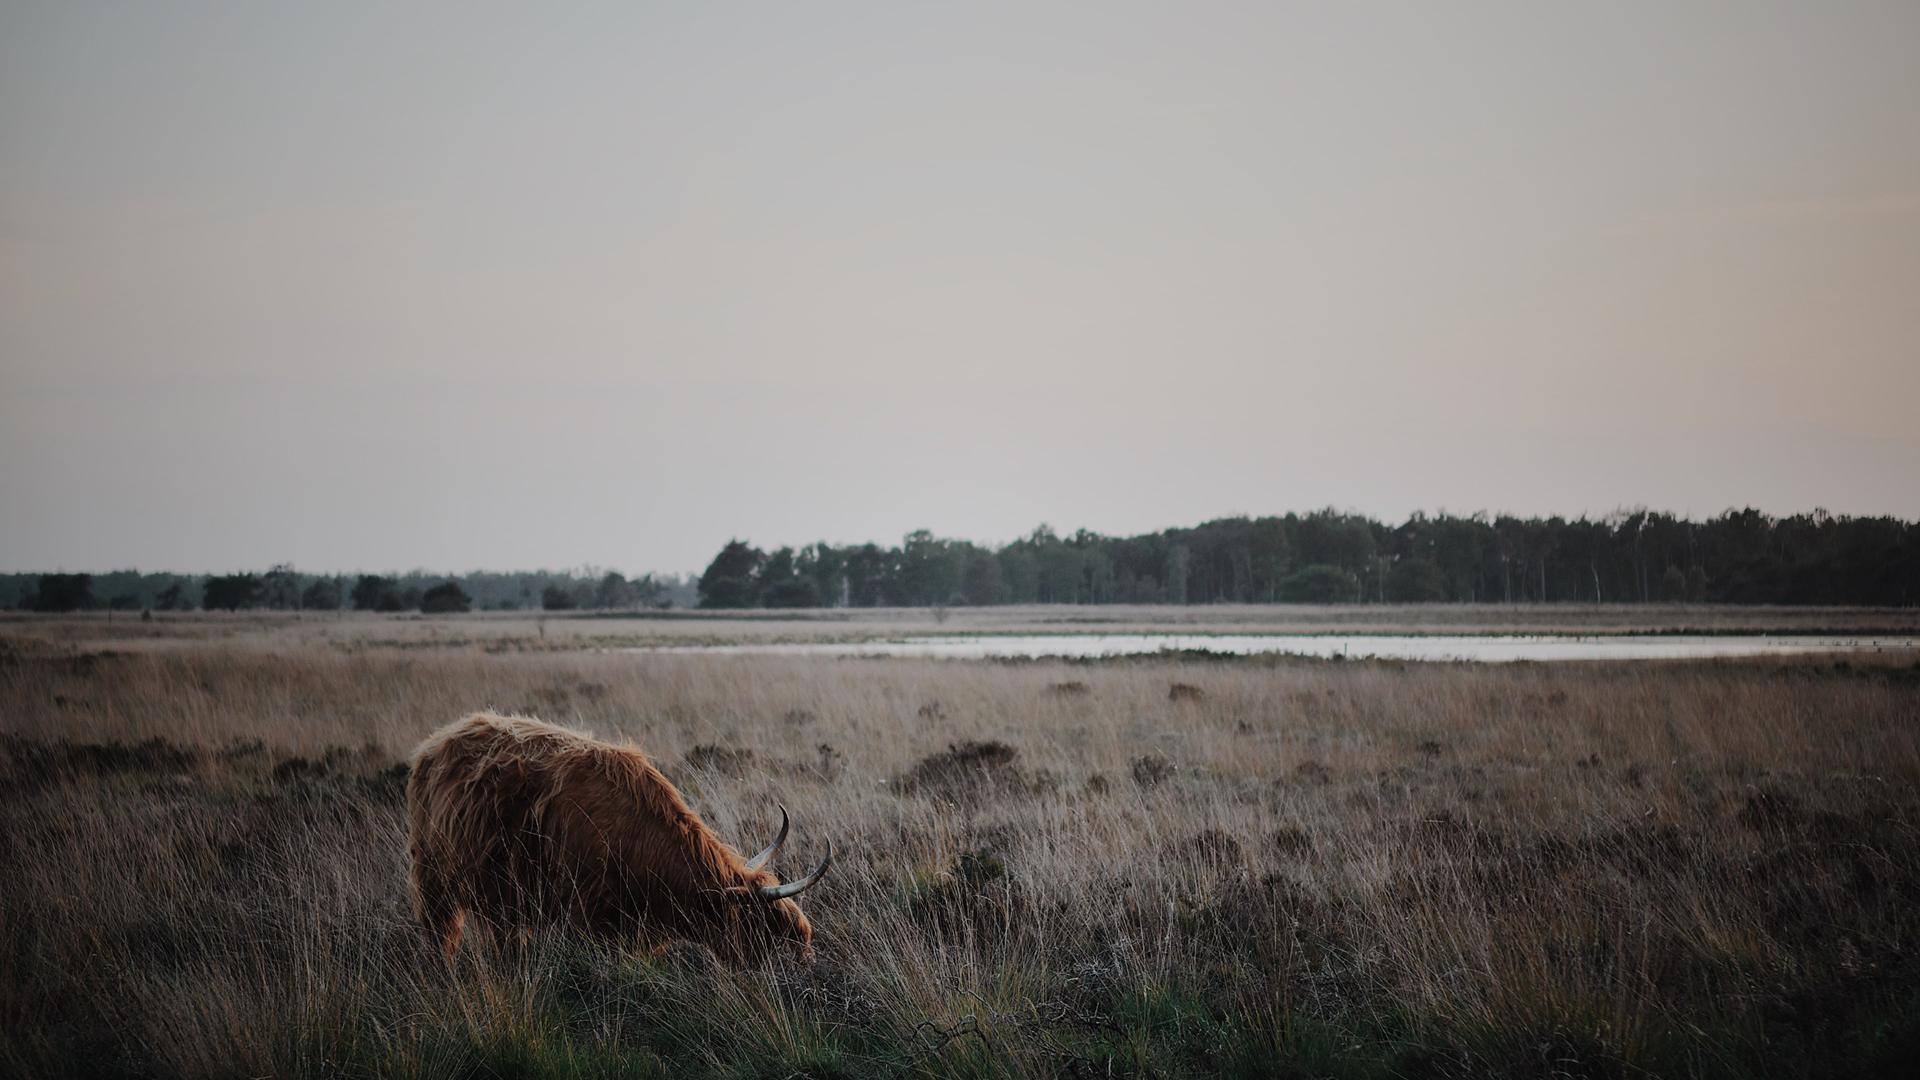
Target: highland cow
(522,824)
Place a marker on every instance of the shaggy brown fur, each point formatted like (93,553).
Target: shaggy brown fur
(524,824)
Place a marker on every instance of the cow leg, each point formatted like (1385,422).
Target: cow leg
(447,931)
(513,944)
(443,916)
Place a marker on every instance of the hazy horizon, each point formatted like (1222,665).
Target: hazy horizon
(487,287)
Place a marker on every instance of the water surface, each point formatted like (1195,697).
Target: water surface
(1498,648)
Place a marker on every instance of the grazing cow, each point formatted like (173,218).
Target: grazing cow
(524,824)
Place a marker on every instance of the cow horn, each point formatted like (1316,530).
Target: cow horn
(795,888)
(767,853)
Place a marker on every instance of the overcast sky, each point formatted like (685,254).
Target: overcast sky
(508,287)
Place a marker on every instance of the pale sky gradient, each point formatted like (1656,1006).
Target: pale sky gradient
(499,286)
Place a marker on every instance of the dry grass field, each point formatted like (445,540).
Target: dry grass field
(534,631)
(1152,867)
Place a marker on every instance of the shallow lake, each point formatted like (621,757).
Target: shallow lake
(1356,646)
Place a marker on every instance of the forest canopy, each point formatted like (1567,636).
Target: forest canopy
(283,588)
(1329,557)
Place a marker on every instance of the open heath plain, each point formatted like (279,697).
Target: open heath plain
(1173,865)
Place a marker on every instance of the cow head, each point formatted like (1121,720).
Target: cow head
(765,909)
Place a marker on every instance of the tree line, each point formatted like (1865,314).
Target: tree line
(1329,557)
(283,588)
(1324,557)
